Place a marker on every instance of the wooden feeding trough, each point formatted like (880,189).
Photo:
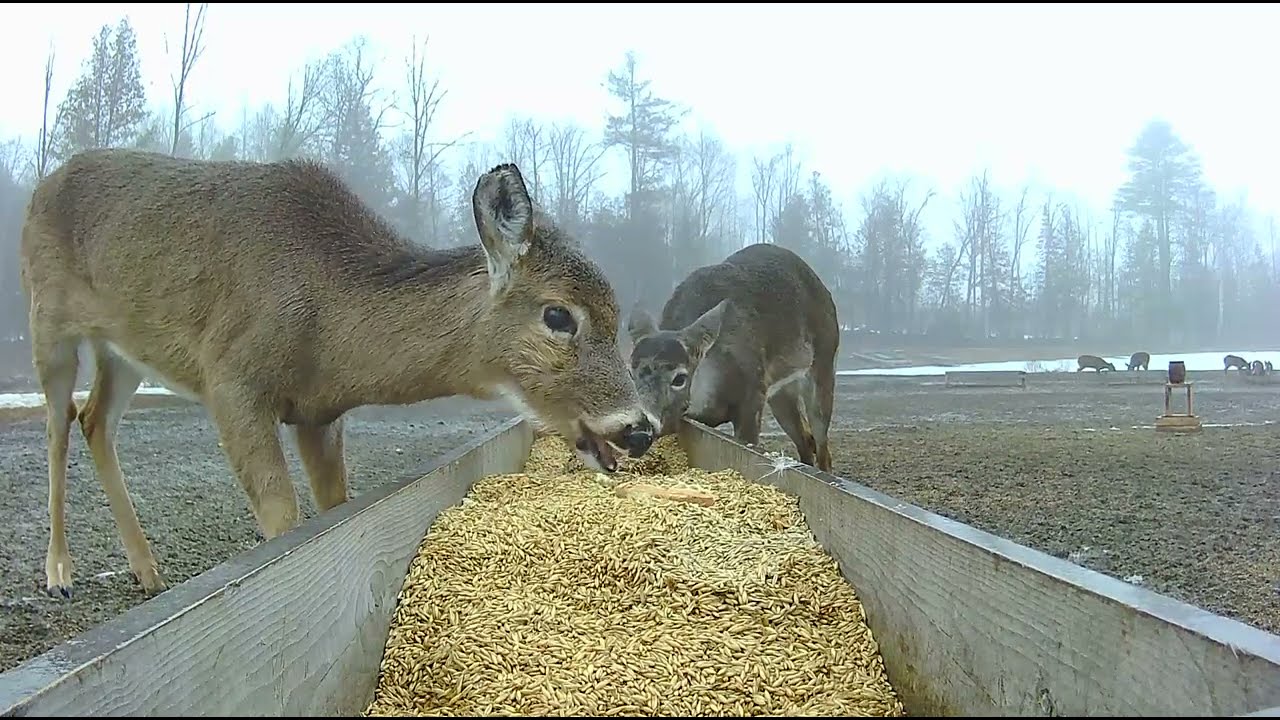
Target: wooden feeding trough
(968,623)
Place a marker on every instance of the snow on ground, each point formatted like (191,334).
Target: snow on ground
(1159,361)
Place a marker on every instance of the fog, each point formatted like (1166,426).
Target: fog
(1092,178)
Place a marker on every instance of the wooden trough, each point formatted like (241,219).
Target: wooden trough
(968,623)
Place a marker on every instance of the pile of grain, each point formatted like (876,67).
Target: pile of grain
(561,591)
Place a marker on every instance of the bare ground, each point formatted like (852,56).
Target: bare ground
(1059,466)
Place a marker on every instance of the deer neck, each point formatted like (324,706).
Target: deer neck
(419,332)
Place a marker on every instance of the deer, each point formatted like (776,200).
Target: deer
(1093,362)
(272,295)
(1234,361)
(1140,359)
(757,328)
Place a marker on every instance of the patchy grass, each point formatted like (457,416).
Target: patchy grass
(1195,517)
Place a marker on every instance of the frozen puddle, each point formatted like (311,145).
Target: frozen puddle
(34,400)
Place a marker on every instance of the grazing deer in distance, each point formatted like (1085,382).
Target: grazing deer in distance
(1093,362)
(1234,361)
(271,294)
(759,327)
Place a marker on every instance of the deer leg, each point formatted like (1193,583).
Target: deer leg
(820,404)
(250,438)
(786,407)
(746,422)
(56,363)
(321,450)
(114,384)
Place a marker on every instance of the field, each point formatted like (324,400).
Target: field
(1070,466)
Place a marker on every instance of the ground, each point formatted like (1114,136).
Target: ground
(1067,466)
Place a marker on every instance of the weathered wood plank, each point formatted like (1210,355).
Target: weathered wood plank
(986,378)
(973,624)
(295,626)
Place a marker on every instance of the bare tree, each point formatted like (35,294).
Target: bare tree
(764,175)
(43,156)
(526,144)
(1021,226)
(11,159)
(712,183)
(302,122)
(788,178)
(192,34)
(419,156)
(575,169)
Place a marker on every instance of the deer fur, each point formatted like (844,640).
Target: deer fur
(1140,359)
(758,328)
(1234,361)
(1093,362)
(271,294)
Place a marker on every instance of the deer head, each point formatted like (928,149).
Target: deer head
(663,361)
(550,331)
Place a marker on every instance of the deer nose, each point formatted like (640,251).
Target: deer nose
(638,438)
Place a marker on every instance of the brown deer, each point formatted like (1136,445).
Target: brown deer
(1140,359)
(271,294)
(758,327)
(1094,363)
(1234,361)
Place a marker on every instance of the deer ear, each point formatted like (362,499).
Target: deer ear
(702,333)
(504,218)
(641,324)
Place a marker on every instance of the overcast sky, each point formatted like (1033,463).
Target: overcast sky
(1050,94)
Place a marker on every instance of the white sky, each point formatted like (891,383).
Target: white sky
(1051,94)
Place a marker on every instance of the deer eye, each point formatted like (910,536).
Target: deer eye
(559,319)
(679,380)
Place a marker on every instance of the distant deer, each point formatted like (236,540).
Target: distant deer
(1093,362)
(1139,360)
(271,294)
(1234,361)
(759,327)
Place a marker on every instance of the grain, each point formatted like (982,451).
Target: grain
(559,591)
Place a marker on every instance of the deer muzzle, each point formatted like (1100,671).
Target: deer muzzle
(637,438)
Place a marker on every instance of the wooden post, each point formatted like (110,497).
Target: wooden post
(1178,422)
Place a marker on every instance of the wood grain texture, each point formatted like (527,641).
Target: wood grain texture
(973,624)
(295,626)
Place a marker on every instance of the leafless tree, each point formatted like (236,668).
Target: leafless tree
(763,179)
(301,123)
(192,35)
(419,155)
(526,144)
(575,169)
(43,156)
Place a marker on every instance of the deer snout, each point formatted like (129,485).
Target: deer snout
(638,437)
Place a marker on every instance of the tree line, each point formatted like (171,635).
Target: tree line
(1171,262)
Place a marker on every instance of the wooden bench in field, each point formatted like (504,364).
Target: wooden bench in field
(987,378)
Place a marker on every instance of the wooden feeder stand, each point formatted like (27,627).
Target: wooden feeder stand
(1178,422)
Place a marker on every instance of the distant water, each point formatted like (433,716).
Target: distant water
(19,400)
(1159,362)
